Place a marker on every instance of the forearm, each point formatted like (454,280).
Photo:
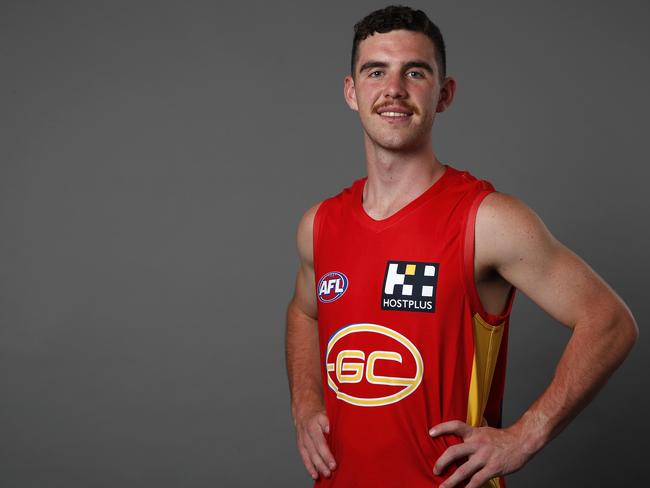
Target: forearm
(302,359)
(590,357)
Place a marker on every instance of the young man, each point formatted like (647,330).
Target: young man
(397,331)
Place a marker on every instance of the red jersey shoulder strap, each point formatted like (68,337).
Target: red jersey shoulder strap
(333,206)
(468,261)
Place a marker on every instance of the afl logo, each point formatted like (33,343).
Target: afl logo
(331,286)
(370,365)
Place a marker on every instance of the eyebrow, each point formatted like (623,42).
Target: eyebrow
(411,64)
(372,64)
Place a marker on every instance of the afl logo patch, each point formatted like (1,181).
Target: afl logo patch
(331,286)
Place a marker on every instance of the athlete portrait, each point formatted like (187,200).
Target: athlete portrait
(397,332)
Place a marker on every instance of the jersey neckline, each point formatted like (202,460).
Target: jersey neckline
(379,225)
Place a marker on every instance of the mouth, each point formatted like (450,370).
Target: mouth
(394,113)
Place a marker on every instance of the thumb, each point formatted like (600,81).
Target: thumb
(324,423)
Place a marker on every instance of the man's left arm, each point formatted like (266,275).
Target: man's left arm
(512,239)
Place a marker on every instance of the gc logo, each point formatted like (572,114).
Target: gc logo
(370,365)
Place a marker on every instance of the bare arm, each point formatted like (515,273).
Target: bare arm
(565,287)
(302,358)
(513,240)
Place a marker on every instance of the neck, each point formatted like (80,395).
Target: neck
(395,178)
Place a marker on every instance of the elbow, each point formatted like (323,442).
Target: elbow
(617,330)
(633,330)
(627,329)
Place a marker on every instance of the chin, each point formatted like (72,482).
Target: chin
(400,143)
(406,140)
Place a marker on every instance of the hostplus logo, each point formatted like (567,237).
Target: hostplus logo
(410,286)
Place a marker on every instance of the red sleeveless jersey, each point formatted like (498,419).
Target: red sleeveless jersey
(404,341)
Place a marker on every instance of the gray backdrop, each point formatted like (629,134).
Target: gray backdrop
(155,158)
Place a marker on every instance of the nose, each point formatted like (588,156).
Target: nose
(395,86)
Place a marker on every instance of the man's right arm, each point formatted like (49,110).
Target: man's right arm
(302,357)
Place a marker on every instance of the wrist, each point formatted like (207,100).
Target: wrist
(532,431)
(306,403)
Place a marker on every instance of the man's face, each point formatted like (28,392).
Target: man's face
(396,89)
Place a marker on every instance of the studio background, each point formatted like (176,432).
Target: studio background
(155,158)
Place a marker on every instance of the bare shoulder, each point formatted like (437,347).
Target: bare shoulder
(508,213)
(508,230)
(513,240)
(304,234)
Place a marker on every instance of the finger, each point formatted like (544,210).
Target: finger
(452,427)
(451,454)
(324,423)
(480,478)
(463,473)
(315,456)
(320,442)
(307,462)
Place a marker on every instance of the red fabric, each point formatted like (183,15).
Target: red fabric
(387,444)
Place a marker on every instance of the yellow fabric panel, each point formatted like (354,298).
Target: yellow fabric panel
(410,269)
(487,341)
(493,483)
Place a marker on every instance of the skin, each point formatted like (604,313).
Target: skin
(512,247)
(302,358)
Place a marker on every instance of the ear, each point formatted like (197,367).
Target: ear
(447,92)
(349,93)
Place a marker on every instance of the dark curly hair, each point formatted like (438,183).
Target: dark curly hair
(399,17)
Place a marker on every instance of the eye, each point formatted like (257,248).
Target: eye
(415,74)
(374,74)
